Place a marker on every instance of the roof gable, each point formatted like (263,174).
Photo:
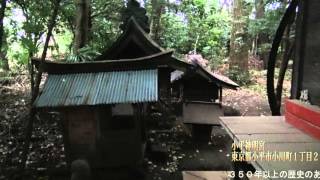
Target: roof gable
(183,68)
(134,42)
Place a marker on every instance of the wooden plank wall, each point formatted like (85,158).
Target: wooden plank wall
(202,113)
(307,61)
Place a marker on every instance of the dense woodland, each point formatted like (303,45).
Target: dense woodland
(222,31)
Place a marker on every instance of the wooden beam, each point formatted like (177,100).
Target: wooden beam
(148,62)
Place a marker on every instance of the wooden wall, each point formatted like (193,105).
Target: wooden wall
(81,133)
(306,73)
(202,113)
(164,83)
(119,146)
(100,135)
(196,88)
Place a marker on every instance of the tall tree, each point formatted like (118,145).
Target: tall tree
(37,14)
(262,37)
(82,24)
(238,41)
(157,11)
(5,64)
(106,19)
(28,131)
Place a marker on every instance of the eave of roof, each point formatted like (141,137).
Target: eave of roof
(161,59)
(219,79)
(147,62)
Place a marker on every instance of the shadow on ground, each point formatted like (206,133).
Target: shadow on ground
(186,154)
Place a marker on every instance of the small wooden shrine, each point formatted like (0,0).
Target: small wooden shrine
(198,98)
(199,93)
(103,103)
(103,107)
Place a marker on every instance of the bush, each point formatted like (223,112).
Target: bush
(239,76)
(84,54)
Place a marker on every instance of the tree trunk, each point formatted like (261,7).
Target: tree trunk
(282,73)
(238,42)
(82,24)
(262,36)
(29,127)
(5,64)
(157,10)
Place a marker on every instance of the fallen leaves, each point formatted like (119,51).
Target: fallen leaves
(46,149)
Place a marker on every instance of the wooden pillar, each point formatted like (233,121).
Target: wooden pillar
(220,95)
(65,134)
(300,44)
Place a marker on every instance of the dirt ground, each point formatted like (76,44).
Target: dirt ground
(47,152)
(248,102)
(186,153)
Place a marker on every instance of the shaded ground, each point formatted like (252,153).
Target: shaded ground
(46,155)
(214,155)
(251,100)
(248,102)
(46,151)
(187,154)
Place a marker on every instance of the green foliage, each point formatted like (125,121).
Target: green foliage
(192,25)
(16,52)
(260,86)
(175,33)
(103,33)
(36,15)
(105,20)
(197,25)
(63,42)
(239,76)
(268,24)
(19,54)
(83,54)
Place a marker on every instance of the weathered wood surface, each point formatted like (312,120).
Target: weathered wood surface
(311,57)
(257,125)
(201,113)
(197,88)
(154,61)
(278,136)
(307,58)
(275,138)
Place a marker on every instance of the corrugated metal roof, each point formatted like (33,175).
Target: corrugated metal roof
(99,88)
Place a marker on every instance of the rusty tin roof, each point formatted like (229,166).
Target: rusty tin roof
(100,88)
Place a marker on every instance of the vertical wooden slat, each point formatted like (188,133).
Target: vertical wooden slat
(301,31)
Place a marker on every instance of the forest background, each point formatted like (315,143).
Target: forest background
(227,33)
